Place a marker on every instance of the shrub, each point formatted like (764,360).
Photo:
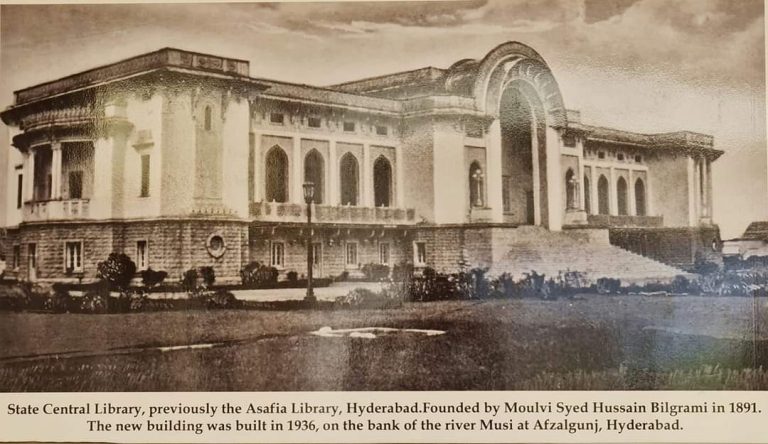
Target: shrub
(680,284)
(118,270)
(375,272)
(343,276)
(93,302)
(361,298)
(608,285)
(402,272)
(151,278)
(208,274)
(292,276)
(257,275)
(222,300)
(189,280)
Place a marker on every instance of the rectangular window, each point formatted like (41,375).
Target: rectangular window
(639,159)
(16,256)
(73,257)
(349,126)
(384,254)
(19,190)
(420,253)
(317,254)
(351,254)
(620,156)
(32,256)
(506,186)
(144,176)
(278,254)
(313,122)
(381,130)
(601,154)
(142,255)
(276,118)
(75,184)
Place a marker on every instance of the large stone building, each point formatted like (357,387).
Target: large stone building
(182,159)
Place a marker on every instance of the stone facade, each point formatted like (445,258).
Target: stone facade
(180,150)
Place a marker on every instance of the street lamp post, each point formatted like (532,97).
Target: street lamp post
(309,197)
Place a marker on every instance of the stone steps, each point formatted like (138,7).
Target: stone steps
(536,249)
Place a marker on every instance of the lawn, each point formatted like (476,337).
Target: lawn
(593,342)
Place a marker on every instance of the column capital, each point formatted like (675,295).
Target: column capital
(55,145)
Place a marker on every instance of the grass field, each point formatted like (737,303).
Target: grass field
(593,342)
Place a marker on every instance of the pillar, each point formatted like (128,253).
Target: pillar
(297,175)
(613,198)
(593,195)
(580,179)
(632,204)
(56,170)
(554,178)
(399,188)
(709,188)
(333,174)
(100,206)
(258,169)
(691,170)
(29,185)
(493,171)
(367,200)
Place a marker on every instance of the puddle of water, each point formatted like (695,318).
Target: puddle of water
(372,332)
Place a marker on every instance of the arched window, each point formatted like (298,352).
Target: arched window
(314,171)
(621,196)
(570,190)
(476,186)
(640,197)
(602,195)
(349,179)
(277,175)
(382,182)
(587,196)
(207,118)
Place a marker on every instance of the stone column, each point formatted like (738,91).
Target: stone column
(103,162)
(709,188)
(493,171)
(691,170)
(367,200)
(399,189)
(297,173)
(258,169)
(593,195)
(580,198)
(56,170)
(613,198)
(632,204)
(554,178)
(29,185)
(333,174)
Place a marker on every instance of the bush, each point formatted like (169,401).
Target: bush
(608,285)
(118,270)
(257,275)
(402,272)
(189,280)
(208,274)
(94,302)
(151,278)
(222,300)
(375,272)
(292,276)
(680,284)
(361,298)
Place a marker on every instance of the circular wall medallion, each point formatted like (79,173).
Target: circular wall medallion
(215,245)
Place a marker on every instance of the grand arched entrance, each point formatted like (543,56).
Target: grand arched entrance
(523,156)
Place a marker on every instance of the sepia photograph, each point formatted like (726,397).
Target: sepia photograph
(384,196)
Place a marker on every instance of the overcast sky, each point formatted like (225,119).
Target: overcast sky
(642,65)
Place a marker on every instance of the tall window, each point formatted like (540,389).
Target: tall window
(382,182)
(317,254)
(476,186)
(314,171)
(19,190)
(420,253)
(351,254)
(16,257)
(207,118)
(384,253)
(570,190)
(32,256)
(621,195)
(144,176)
(313,122)
(640,197)
(602,195)
(142,255)
(349,179)
(75,184)
(73,257)
(587,196)
(506,197)
(277,175)
(278,255)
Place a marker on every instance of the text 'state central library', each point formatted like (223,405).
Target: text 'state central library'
(181,160)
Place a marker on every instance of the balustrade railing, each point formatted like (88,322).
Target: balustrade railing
(291,212)
(607,220)
(56,210)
